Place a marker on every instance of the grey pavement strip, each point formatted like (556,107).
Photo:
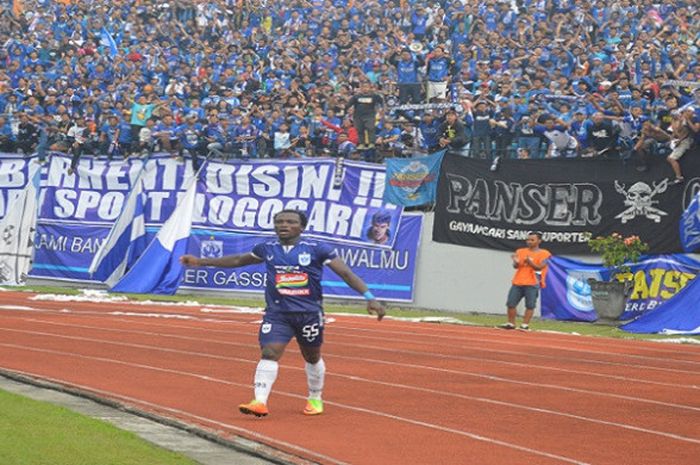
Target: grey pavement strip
(197,444)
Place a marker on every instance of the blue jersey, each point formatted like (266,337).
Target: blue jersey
(294,276)
(406,72)
(438,69)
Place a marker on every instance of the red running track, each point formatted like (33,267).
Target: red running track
(396,392)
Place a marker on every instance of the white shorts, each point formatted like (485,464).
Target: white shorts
(436,90)
(679,148)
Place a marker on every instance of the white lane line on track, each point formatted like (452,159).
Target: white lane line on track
(468,434)
(181,413)
(521,342)
(571,339)
(494,378)
(627,379)
(522,354)
(519,353)
(144,314)
(487,350)
(20,308)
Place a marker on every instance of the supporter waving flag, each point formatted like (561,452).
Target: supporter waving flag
(107,41)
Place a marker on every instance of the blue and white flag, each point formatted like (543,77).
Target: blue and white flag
(412,181)
(158,270)
(125,242)
(106,40)
(17,230)
(690,225)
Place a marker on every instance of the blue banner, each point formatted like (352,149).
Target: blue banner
(388,273)
(656,279)
(234,204)
(690,225)
(65,252)
(412,181)
(679,316)
(340,200)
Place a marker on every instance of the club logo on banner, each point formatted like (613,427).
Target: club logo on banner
(569,200)
(412,182)
(578,291)
(211,249)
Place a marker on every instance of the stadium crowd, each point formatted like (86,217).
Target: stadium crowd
(275,78)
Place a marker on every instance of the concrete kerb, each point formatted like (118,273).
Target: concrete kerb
(237,445)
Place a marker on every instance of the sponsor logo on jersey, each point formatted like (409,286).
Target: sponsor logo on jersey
(292,283)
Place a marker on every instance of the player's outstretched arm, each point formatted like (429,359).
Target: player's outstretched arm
(374,307)
(229,261)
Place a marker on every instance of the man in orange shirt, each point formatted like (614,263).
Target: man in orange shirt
(530,265)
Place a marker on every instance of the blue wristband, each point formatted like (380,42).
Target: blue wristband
(368,295)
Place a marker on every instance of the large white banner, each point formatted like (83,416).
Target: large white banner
(18,227)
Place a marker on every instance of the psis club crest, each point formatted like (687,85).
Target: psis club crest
(211,249)
(304,259)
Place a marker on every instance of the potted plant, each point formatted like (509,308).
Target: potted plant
(618,253)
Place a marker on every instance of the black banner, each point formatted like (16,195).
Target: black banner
(568,200)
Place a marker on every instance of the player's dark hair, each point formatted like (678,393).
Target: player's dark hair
(302,216)
(535,233)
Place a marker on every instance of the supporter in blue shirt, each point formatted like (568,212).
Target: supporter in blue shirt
(407,75)
(439,70)
(579,128)
(191,140)
(429,135)
(167,134)
(109,136)
(561,143)
(246,135)
(419,22)
(221,55)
